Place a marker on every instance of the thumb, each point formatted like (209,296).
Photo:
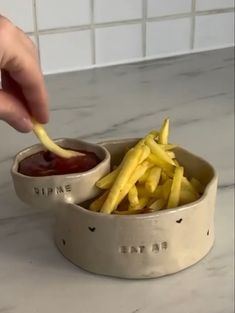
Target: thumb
(13,111)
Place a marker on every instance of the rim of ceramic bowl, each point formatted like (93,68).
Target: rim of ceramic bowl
(38,147)
(180,208)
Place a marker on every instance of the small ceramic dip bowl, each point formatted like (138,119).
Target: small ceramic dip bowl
(144,245)
(48,191)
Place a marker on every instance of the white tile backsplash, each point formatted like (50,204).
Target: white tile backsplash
(63,13)
(65,51)
(118,43)
(214,30)
(214,4)
(168,36)
(76,34)
(20,12)
(117,10)
(168,7)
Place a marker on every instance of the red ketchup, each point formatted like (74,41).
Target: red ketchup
(45,163)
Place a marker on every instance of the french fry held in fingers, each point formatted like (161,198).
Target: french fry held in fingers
(49,144)
(149,179)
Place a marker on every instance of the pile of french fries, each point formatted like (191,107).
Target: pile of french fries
(148,179)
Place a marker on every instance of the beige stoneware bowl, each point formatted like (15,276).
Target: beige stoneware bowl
(141,246)
(48,191)
(136,246)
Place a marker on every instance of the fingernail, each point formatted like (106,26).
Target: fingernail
(25,124)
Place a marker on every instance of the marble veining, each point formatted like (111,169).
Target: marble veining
(197,93)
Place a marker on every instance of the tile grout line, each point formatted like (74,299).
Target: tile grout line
(36,33)
(144,25)
(214,11)
(129,22)
(92,29)
(193,21)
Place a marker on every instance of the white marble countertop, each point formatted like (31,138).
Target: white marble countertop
(196,92)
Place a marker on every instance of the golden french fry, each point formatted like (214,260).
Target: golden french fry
(153,179)
(159,152)
(155,134)
(142,192)
(133,196)
(145,153)
(139,171)
(197,185)
(107,181)
(143,178)
(163,177)
(168,147)
(97,203)
(166,189)
(164,132)
(159,204)
(174,196)
(168,168)
(159,193)
(130,163)
(49,144)
(186,196)
(186,185)
(176,163)
(130,212)
(140,143)
(171,154)
(142,204)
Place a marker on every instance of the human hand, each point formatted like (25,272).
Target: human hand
(23,92)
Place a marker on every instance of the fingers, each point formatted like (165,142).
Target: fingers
(29,77)
(18,57)
(13,111)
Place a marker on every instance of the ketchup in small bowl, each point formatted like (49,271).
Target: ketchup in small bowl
(46,163)
(44,180)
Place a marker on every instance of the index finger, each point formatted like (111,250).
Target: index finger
(28,75)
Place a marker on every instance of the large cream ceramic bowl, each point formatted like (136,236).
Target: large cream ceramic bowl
(141,246)
(48,191)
